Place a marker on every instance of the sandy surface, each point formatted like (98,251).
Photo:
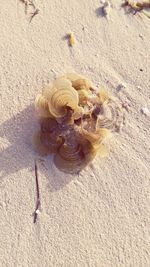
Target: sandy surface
(100,218)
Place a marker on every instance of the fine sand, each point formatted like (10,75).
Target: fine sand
(100,218)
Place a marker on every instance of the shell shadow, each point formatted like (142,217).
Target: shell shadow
(17,152)
(16,133)
(56,180)
(99,12)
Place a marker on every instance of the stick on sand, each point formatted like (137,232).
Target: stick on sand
(38,202)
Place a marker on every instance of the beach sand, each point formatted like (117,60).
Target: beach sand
(101,217)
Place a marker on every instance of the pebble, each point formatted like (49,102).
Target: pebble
(145,111)
(37,211)
(106,8)
(121,86)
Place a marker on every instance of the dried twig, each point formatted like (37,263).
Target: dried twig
(28,3)
(36,11)
(25,2)
(38,202)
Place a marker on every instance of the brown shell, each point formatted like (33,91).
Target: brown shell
(95,138)
(74,159)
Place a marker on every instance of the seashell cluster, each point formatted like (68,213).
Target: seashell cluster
(75,119)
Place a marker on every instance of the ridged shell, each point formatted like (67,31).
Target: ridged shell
(46,143)
(81,84)
(83,97)
(51,141)
(42,108)
(74,159)
(58,100)
(73,76)
(103,96)
(79,81)
(111,117)
(95,138)
(49,125)
(78,113)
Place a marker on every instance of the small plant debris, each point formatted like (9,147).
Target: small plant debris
(137,6)
(27,4)
(145,111)
(71,39)
(36,11)
(38,202)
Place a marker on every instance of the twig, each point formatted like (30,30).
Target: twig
(32,4)
(38,202)
(25,2)
(34,14)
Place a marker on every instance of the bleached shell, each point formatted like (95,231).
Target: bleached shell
(62,83)
(83,97)
(73,76)
(78,113)
(111,117)
(103,95)
(58,100)
(81,84)
(78,81)
(41,105)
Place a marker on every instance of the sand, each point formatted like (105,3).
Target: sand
(100,218)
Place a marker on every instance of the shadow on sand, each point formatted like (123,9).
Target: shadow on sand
(19,154)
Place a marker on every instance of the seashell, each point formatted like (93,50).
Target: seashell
(78,113)
(73,76)
(96,111)
(41,105)
(51,141)
(102,151)
(62,83)
(103,96)
(95,138)
(46,143)
(111,116)
(58,100)
(73,159)
(83,97)
(78,81)
(49,125)
(81,84)
(88,123)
